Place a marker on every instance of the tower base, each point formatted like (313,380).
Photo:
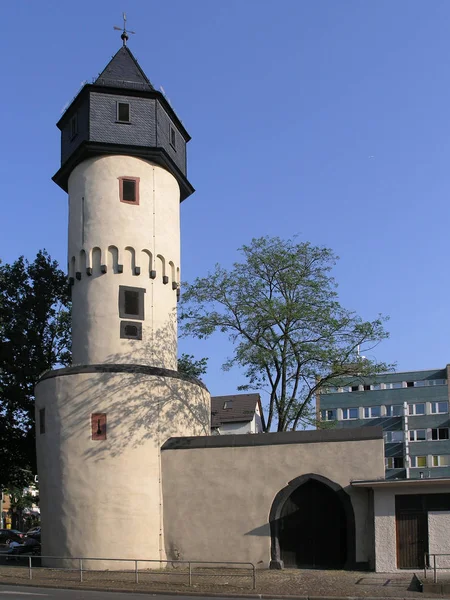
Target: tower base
(100,429)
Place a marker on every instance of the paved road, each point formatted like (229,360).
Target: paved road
(30,593)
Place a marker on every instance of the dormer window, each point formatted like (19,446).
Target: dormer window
(228,404)
(123,112)
(172,137)
(73,126)
(129,190)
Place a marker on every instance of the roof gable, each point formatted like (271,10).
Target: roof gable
(123,70)
(241,408)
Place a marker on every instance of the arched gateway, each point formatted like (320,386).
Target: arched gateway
(312,524)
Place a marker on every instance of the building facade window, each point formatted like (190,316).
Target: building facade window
(131,303)
(393,437)
(394,410)
(123,112)
(442,460)
(440,433)
(129,190)
(418,462)
(98,426)
(437,382)
(349,413)
(394,462)
(438,408)
(372,412)
(393,386)
(328,415)
(416,409)
(418,435)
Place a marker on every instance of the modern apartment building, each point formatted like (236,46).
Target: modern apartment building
(413,410)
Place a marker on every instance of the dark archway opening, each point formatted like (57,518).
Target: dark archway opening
(312,525)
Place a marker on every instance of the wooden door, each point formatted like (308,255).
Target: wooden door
(412,539)
(313,528)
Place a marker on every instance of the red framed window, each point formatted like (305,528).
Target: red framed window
(98,424)
(129,190)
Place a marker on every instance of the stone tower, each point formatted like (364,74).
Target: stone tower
(101,422)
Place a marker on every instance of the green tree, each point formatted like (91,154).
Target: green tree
(188,365)
(280,309)
(20,500)
(34,337)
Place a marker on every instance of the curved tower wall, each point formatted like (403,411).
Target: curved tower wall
(102,421)
(103,498)
(113,244)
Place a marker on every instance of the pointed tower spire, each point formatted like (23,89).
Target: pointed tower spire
(123,70)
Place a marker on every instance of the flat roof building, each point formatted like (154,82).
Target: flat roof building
(412,407)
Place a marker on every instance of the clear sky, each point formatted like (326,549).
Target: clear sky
(324,118)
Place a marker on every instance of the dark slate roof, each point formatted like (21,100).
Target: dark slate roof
(356,434)
(123,71)
(243,407)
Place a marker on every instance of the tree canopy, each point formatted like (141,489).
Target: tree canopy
(189,365)
(34,337)
(280,308)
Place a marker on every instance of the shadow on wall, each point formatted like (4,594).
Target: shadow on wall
(145,403)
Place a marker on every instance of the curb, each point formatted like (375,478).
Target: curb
(212,594)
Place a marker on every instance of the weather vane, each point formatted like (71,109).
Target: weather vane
(124,31)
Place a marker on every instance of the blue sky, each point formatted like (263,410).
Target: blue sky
(324,118)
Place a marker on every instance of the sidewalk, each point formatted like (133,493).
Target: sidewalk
(225,582)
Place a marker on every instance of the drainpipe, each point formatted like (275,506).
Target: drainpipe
(405,433)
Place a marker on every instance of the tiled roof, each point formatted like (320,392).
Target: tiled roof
(241,408)
(123,70)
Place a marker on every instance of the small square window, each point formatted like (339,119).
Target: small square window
(394,410)
(394,462)
(418,461)
(129,189)
(367,388)
(123,112)
(328,415)
(439,407)
(130,330)
(418,435)
(228,404)
(42,420)
(349,413)
(393,437)
(172,137)
(131,303)
(98,426)
(355,388)
(372,412)
(73,126)
(416,409)
(440,434)
(410,384)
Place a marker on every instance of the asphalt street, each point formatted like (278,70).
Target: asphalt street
(30,593)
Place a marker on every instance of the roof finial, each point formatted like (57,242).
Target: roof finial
(124,31)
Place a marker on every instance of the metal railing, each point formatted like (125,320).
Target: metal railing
(135,563)
(434,566)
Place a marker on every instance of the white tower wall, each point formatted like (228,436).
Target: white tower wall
(103,499)
(126,239)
